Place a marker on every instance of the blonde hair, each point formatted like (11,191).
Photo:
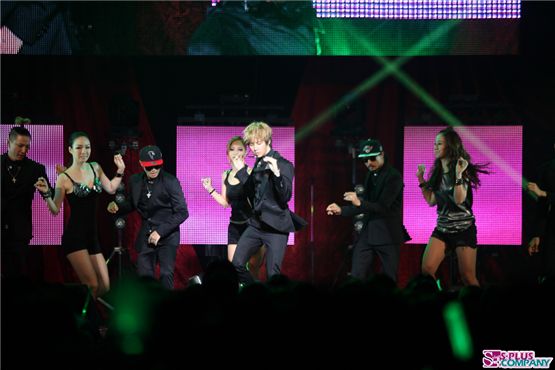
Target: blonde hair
(257,130)
(234,139)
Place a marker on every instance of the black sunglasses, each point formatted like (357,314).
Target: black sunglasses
(150,168)
(371,158)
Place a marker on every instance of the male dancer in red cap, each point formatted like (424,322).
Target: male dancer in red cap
(158,198)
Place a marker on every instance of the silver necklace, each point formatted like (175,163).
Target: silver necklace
(14,177)
(148,190)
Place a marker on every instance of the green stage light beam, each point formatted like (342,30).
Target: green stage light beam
(388,69)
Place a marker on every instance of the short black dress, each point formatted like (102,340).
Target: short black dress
(241,211)
(81,231)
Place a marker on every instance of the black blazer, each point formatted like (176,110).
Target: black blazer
(382,206)
(16,205)
(275,192)
(169,209)
(544,227)
(41,25)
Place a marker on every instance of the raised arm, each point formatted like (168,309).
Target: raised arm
(281,178)
(427,193)
(545,202)
(111,185)
(220,198)
(54,202)
(461,188)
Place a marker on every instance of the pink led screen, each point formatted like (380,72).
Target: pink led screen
(497,203)
(47,148)
(201,152)
(415,9)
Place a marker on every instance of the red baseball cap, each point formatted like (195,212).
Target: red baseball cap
(150,155)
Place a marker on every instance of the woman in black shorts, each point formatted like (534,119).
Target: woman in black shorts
(449,187)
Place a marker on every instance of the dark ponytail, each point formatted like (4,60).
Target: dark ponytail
(76,135)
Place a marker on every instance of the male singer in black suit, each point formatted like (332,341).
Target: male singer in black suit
(19,175)
(159,199)
(382,204)
(269,187)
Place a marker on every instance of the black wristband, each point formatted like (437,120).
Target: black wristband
(211,191)
(459,181)
(422,184)
(119,174)
(47,194)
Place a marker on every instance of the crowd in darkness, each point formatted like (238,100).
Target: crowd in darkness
(279,322)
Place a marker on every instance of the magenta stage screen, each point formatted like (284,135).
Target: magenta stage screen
(47,148)
(497,202)
(201,152)
(416,9)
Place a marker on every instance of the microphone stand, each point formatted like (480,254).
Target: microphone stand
(117,250)
(348,252)
(312,247)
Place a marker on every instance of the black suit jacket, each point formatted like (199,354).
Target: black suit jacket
(169,209)
(382,205)
(41,25)
(227,29)
(275,192)
(545,214)
(17,221)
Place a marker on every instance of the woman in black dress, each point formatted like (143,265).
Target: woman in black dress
(81,183)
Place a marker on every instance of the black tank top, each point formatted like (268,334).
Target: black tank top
(240,208)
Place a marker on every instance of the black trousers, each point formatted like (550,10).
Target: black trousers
(164,254)
(547,251)
(363,257)
(14,259)
(252,239)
